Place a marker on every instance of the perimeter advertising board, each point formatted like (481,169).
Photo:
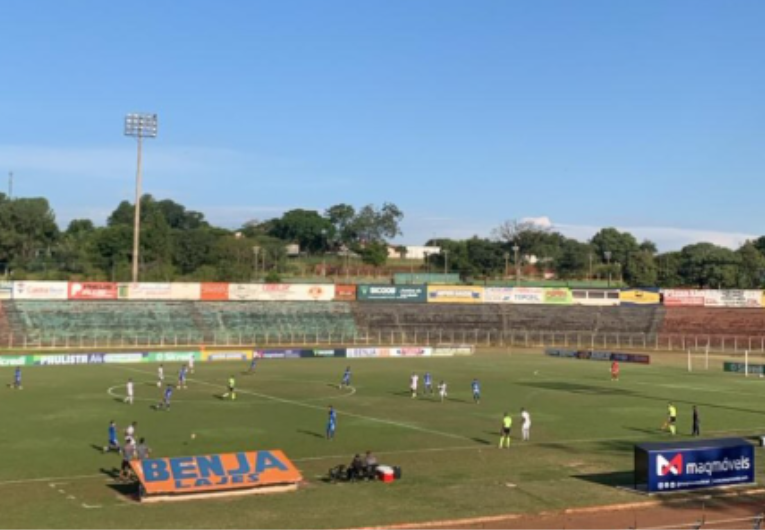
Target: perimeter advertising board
(392,293)
(40,290)
(455,294)
(665,467)
(639,297)
(561,296)
(733,298)
(281,292)
(92,291)
(345,293)
(214,473)
(6,290)
(683,297)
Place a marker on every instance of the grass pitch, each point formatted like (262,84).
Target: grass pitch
(53,473)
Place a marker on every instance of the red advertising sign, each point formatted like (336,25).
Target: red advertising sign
(345,292)
(211,473)
(92,291)
(214,291)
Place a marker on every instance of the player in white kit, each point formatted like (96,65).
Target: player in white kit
(161,375)
(413,382)
(191,364)
(526,425)
(129,389)
(442,390)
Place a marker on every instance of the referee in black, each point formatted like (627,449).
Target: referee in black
(696,422)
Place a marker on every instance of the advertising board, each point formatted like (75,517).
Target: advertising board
(226,355)
(16,360)
(174,356)
(558,296)
(356,353)
(733,298)
(208,473)
(414,351)
(591,355)
(144,291)
(451,351)
(279,353)
(741,368)
(345,293)
(639,297)
(666,467)
(281,292)
(185,291)
(455,294)
(40,290)
(92,291)
(527,295)
(392,293)
(6,290)
(213,291)
(498,295)
(683,297)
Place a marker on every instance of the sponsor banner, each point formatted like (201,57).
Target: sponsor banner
(683,297)
(185,291)
(125,358)
(144,291)
(409,352)
(455,294)
(281,353)
(68,359)
(355,353)
(281,291)
(213,291)
(92,291)
(498,295)
(450,351)
(677,466)
(230,471)
(392,293)
(173,356)
(6,290)
(741,368)
(733,298)
(639,297)
(321,353)
(637,358)
(527,295)
(40,290)
(16,360)
(226,355)
(558,296)
(345,292)
(595,297)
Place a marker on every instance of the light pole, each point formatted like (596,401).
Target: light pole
(507,259)
(139,126)
(516,248)
(446,262)
(607,254)
(590,277)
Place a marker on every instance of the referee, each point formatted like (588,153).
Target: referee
(672,419)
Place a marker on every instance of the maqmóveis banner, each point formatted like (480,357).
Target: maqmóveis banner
(694,464)
(92,291)
(455,294)
(208,473)
(392,293)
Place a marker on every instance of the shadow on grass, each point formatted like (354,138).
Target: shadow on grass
(614,479)
(126,490)
(481,441)
(311,433)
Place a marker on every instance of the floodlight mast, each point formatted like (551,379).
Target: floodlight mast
(139,126)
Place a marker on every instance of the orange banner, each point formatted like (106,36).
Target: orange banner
(212,473)
(214,291)
(345,292)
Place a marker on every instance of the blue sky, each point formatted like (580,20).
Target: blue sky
(644,115)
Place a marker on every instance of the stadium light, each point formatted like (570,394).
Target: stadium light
(139,126)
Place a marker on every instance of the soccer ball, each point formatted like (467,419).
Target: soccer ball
(193,436)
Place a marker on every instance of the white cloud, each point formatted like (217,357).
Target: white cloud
(542,222)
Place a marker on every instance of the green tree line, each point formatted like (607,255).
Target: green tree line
(178,244)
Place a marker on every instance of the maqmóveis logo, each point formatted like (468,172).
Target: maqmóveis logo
(666,467)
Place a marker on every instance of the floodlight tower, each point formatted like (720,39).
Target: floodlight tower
(139,126)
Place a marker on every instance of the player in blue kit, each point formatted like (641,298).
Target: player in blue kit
(165,404)
(331,423)
(476,386)
(114,444)
(428,381)
(182,377)
(346,378)
(16,379)
(253,364)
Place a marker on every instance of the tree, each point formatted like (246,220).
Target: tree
(374,253)
(373,224)
(342,216)
(649,246)
(178,217)
(486,257)
(574,259)
(641,270)
(531,238)
(621,245)
(708,265)
(668,270)
(305,227)
(752,269)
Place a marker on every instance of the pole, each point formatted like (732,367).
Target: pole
(690,366)
(517,268)
(137,220)
(706,358)
(746,363)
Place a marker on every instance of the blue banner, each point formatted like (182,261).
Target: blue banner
(679,466)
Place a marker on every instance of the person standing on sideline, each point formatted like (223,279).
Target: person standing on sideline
(672,419)
(507,424)
(526,425)
(615,371)
(696,422)
(129,388)
(476,387)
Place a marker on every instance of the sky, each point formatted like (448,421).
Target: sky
(645,115)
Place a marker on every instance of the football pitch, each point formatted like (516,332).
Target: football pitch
(53,472)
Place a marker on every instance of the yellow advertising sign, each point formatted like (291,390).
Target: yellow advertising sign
(455,294)
(639,297)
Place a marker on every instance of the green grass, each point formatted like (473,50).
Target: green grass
(584,427)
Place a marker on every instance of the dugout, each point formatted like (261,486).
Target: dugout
(665,467)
